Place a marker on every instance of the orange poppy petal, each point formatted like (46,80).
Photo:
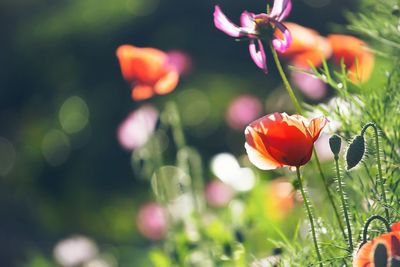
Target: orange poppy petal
(316,125)
(355,54)
(259,160)
(364,256)
(304,39)
(258,154)
(143,64)
(142,92)
(167,83)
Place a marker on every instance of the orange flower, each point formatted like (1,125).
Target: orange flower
(308,47)
(279,140)
(147,70)
(357,58)
(365,256)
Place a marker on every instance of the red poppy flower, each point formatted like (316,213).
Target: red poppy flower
(366,255)
(279,140)
(148,70)
(357,58)
(308,47)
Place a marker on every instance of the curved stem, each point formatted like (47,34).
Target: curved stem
(368,222)
(378,159)
(310,216)
(300,112)
(344,205)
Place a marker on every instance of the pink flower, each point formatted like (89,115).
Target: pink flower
(255,27)
(180,60)
(218,194)
(243,110)
(152,221)
(137,128)
(310,85)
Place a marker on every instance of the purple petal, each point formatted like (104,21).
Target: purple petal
(258,56)
(224,24)
(281,9)
(247,20)
(279,44)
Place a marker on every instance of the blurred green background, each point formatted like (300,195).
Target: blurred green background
(62,171)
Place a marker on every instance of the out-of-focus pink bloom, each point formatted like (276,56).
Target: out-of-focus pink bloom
(137,128)
(243,110)
(256,28)
(311,86)
(218,194)
(180,60)
(152,221)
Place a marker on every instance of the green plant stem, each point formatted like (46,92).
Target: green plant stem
(286,82)
(378,159)
(310,216)
(344,205)
(300,112)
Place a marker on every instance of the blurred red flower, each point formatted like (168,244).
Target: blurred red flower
(354,52)
(308,47)
(277,140)
(365,256)
(147,70)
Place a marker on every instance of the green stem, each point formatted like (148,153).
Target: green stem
(310,216)
(286,82)
(344,204)
(300,112)
(378,159)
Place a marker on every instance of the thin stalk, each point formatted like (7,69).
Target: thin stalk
(310,216)
(344,205)
(286,82)
(300,112)
(378,159)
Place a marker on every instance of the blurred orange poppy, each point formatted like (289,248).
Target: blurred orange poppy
(280,197)
(354,52)
(308,47)
(147,70)
(367,255)
(277,140)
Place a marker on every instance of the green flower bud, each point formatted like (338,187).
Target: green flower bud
(355,152)
(335,142)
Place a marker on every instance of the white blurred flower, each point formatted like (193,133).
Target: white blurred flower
(226,167)
(74,251)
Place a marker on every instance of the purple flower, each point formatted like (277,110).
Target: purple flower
(256,27)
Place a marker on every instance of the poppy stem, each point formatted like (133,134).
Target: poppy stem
(378,159)
(344,204)
(310,216)
(300,112)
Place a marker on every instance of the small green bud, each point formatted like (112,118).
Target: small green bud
(335,142)
(355,152)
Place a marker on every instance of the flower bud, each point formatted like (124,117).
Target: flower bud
(355,152)
(335,142)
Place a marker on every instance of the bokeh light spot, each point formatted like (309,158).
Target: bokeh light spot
(74,115)
(7,156)
(195,107)
(142,7)
(56,147)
